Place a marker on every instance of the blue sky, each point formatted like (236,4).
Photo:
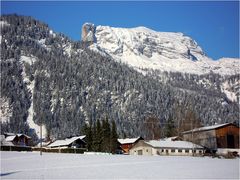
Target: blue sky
(214,25)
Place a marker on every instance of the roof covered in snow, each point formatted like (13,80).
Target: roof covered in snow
(65,142)
(10,138)
(172,144)
(207,128)
(23,135)
(128,140)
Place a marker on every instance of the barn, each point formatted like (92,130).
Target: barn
(214,137)
(166,147)
(127,143)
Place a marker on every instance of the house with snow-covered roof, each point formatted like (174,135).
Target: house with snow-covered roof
(11,139)
(127,143)
(166,147)
(215,137)
(73,142)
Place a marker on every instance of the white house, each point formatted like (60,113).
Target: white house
(166,147)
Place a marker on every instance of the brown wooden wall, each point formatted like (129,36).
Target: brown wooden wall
(228,137)
(126,147)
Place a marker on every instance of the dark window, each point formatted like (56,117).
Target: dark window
(172,150)
(162,150)
(186,151)
(180,150)
(146,150)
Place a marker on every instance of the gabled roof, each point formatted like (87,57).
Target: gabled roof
(10,138)
(129,140)
(207,128)
(65,142)
(172,144)
(19,135)
(24,135)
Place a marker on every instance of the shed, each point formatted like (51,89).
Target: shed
(214,137)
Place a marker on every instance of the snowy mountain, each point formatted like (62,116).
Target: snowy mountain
(141,47)
(48,79)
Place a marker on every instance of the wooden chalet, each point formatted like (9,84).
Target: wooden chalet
(17,139)
(73,142)
(127,143)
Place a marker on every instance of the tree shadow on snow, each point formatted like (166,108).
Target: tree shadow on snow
(8,173)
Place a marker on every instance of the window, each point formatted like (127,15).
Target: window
(162,150)
(172,150)
(200,152)
(186,151)
(180,150)
(146,150)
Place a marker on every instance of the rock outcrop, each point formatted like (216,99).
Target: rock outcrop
(88,32)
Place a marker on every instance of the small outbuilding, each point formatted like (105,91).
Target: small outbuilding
(127,143)
(166,147)
(73,142)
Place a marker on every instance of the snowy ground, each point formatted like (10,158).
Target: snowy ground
(30,165)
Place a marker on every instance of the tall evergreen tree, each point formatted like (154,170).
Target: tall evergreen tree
(106,136)
(169,128)
(99,135)
(114,137)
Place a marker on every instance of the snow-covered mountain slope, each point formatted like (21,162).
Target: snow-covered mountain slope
(141,47)
(48,79)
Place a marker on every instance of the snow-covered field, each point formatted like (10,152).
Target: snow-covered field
(30,165)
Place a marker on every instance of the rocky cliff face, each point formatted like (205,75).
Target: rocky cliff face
(144,48)
(88,32)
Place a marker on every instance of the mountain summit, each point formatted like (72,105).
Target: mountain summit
(142,47)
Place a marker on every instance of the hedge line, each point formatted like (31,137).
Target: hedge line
(15,148)
(23,148)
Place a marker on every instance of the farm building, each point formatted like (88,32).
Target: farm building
(214,137)
(166,147)
(73,142)
(11,139)
(127,143)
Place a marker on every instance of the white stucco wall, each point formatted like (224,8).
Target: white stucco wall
(163,151)
(141,151)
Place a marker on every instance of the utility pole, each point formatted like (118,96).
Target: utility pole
(41,139)
(192,138)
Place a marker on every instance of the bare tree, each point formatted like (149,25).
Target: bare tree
(152,127)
